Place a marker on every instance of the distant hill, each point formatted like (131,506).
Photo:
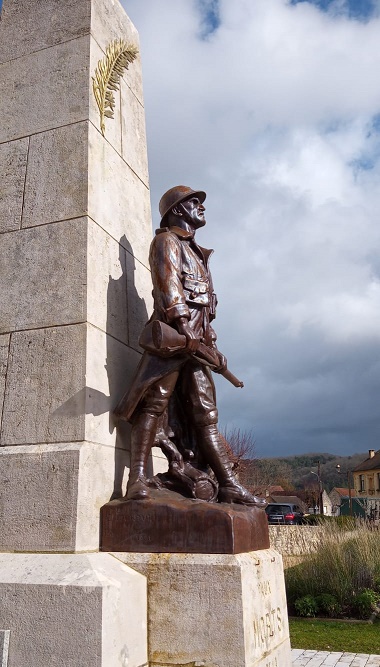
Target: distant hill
(294,472)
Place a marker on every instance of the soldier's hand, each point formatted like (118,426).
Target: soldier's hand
(222,362)
(191,338)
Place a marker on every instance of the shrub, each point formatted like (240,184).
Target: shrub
(376,582)
(365,602)
(345,564)
(329,605)
(306,606)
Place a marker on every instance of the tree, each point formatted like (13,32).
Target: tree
(274,472)
(240,446)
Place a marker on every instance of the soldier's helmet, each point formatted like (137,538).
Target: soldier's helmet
(174,196)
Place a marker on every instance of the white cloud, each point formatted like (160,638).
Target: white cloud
(273,115)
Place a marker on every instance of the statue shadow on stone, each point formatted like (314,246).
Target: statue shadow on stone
(123,304)
(126,313)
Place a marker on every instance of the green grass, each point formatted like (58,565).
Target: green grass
(335,635)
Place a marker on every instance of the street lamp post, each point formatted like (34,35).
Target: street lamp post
(320,487)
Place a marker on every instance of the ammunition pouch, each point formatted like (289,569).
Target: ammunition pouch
(213,305)
(196,291)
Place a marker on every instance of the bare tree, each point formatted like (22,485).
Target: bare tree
(240,446)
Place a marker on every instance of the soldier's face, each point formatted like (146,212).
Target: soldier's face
(194,212)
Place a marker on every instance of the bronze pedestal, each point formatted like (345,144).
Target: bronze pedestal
(168,523)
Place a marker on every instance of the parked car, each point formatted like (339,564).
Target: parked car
(284,513)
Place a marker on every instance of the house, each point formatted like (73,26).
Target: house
(366,482)
(326,503)
(367,475)
(340,501)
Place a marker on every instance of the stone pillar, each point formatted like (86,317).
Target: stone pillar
(75,229)
(75,287)
(215,610)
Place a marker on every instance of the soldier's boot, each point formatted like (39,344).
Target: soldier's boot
(142,439)
(215,452)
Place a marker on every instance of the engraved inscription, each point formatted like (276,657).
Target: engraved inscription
(264,587)
(266,627)
(272,663)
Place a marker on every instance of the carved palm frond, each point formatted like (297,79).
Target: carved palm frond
(119,54)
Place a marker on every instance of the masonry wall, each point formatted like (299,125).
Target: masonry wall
(295,543)
(75,289)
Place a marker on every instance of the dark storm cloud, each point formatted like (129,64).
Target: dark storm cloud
(275,115)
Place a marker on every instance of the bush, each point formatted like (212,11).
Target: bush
(346,564)
(306,606)
(365,602)
(376,582)
(329,605)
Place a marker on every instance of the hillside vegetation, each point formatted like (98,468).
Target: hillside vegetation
(294,472)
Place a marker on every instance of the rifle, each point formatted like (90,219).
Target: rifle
(159,338)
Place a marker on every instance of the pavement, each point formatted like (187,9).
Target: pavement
(302,658)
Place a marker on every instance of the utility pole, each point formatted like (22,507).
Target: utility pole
(349,487)
(320,487)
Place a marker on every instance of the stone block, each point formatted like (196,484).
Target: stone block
(46,368)
(222,610)
(107,283)
(109,370)
(56,184)
(73,610)
(126,131)
(50,495)
(43,276)
(13,158)
(118,200)
(45,90)
(112,125)
(108,22)
(4,646)
(134,150)
(139,298)
(31,25)
(38,497)
(95,482)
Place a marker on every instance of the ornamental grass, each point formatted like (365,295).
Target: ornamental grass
(345,565)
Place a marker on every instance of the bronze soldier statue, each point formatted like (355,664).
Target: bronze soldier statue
(172,397)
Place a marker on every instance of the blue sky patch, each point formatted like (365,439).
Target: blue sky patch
(210,19)
(375,127)
(356,9)
(371,154)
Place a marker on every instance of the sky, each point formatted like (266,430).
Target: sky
(273,108)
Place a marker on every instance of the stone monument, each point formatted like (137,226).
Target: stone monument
(75,293)
(75,229)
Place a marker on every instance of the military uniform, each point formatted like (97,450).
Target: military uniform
(182,287)
(182,291)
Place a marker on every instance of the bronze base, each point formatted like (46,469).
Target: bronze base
(169,523)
